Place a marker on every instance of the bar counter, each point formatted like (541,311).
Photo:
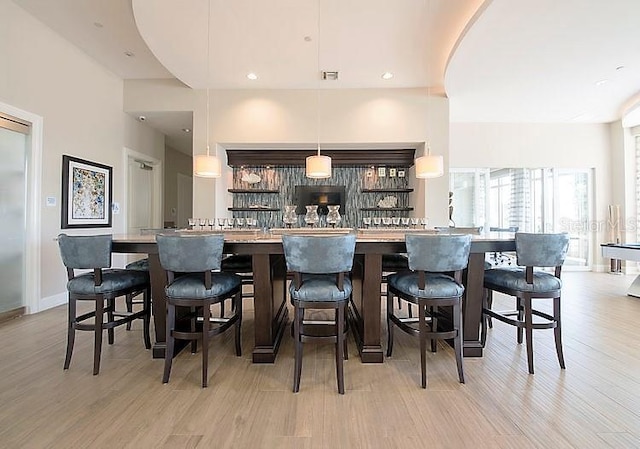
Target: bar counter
(269,273)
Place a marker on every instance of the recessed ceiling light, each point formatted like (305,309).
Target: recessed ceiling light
(620,67)
(186,130)
(387,75)
(601,82)
(252,76)
(142,118)
(129,54)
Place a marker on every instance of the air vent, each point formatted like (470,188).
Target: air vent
(333,76)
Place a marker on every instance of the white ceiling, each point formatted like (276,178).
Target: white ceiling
(514,61)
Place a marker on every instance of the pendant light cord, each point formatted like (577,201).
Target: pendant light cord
(318,82)
(208,66)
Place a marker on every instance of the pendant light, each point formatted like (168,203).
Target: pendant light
(318,166)
(206,165)
(429,166)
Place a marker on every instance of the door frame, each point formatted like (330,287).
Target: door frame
(32,278)
(157,202)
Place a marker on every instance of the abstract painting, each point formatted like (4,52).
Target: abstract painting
(86,194)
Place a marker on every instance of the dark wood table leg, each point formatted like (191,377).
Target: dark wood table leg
(158,305)
(269,274)
(472,305)
(371,349)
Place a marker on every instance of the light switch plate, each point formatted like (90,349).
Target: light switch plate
(51,201)
(392,173)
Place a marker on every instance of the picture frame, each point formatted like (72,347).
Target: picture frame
(87,191)
(382,172)
(401,173)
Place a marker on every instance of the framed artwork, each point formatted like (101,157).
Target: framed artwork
(86,194)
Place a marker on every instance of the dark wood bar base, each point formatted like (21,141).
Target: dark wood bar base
(365,308)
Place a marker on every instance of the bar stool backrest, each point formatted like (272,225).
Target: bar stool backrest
(313,254)
(438,253)
(190,253)
(541,250)
(85,251)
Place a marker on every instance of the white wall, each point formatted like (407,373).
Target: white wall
(289,117)
(533,145)
(82,107)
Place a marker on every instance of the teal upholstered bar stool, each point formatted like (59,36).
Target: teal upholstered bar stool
(102,286)
(436,263)
(526,283)
(319,265)
(195,282)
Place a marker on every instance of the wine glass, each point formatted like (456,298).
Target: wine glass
(376,221)
(386,222)
(366,221)
(395,221)
(191,222)
(424,221)
(405,222)
(240,222)
(414,221)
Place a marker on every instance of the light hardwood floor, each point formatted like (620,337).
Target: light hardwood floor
(594,403)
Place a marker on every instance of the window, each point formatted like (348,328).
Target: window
(532,200)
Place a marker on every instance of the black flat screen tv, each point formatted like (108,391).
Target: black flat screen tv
(322,196)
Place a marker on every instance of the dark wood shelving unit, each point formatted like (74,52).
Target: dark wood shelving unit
(382,209)
(252,191)
(397,190)
(253,209)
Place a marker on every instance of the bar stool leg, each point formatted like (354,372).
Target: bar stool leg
(389,322)
(558,331)
(340,348)
(422,325)
(97,341)
(298,316)
(458,340)
(168,354)
(71,332)
(206,323)
(528,326)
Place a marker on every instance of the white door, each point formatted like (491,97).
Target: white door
(185,200)
(140,196)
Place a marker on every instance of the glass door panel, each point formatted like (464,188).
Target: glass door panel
(13,146)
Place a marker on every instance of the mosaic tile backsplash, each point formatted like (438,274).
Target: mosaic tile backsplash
(284,179)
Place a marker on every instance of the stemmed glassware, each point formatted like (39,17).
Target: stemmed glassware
(240,222)
(333,216)
(312,218)
(366,221)
(289,218)
(405,222)
(386,221)
(376,221)
(395,221)
(414,221)
(192,222)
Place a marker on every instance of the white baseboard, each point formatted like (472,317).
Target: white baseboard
(53,301)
